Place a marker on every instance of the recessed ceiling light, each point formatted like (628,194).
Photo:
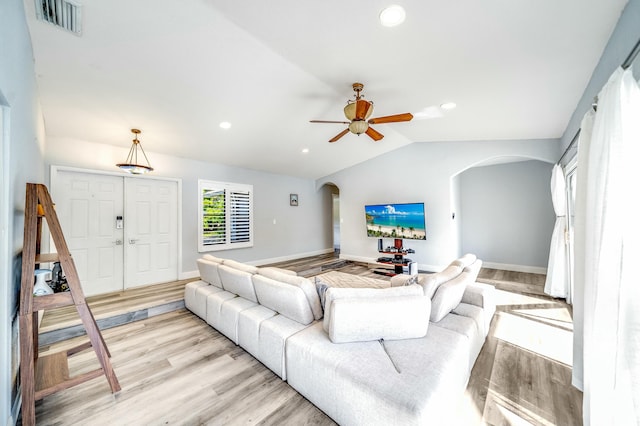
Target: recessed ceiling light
(448,105)
(305,150)
(225,125)
(392,15)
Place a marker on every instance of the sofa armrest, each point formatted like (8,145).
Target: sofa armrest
(484,296)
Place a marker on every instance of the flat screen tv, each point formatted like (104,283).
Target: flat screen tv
(404,221)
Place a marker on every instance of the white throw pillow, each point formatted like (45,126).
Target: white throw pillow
(448,296)
(335,293)
(389,318)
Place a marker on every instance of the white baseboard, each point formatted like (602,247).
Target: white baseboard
(515,268)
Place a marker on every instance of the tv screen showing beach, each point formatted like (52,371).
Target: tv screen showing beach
(396,221)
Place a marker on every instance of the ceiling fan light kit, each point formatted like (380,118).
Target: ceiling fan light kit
(358,113)
(358,127)
(131,164)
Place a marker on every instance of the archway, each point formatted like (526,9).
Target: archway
(502,212)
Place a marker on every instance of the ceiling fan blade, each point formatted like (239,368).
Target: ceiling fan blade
(362,107)
(373,134)
(339,135)
(325,121)
(392,118)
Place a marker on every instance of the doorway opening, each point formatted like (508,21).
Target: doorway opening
(331,197)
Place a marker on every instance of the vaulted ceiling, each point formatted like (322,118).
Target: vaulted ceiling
(176,69)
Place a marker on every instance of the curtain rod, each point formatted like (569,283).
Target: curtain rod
(573,142)
(632,56)
(626,64)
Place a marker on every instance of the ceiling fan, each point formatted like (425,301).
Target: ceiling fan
(358,113)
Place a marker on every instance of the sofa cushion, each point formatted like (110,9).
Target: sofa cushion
(467,327)
(334,293)
(241,266)
(304,284)
(214,306)
(212,258)
(249,322)
(389,318)
(286,299)
(195,297)
(448,296)
(229,314)
(475,313)
(357,383)
(237,282)
(431,282)
(465,260)
(209,272)
(272,342)
(474,269)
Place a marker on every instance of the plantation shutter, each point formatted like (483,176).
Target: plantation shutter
(226,220)
(240,216)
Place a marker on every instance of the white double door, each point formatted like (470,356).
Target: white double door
(122,231)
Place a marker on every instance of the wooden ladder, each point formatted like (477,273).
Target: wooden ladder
(43,376)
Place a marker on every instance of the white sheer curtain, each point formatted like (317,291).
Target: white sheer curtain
(607,233)
(557,282)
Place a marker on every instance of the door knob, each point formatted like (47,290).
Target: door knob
(118,242)
(132,241)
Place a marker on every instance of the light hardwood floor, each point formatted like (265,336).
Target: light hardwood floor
(176,369)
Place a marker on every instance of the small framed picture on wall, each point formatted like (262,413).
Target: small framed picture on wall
(293,199)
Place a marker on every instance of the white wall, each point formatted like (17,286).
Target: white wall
(624,37)
(507,215)
(23,141)
(456,215)
(305,229)
(420,172)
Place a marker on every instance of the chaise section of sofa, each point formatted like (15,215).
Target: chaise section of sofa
(358,384)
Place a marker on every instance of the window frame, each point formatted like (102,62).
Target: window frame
(232,203)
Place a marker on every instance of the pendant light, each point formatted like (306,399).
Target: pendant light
(131,164)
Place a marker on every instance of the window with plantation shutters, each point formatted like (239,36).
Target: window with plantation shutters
(225,215)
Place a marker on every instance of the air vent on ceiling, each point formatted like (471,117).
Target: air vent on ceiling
(61,13)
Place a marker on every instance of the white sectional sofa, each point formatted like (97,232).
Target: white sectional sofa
(400,355)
